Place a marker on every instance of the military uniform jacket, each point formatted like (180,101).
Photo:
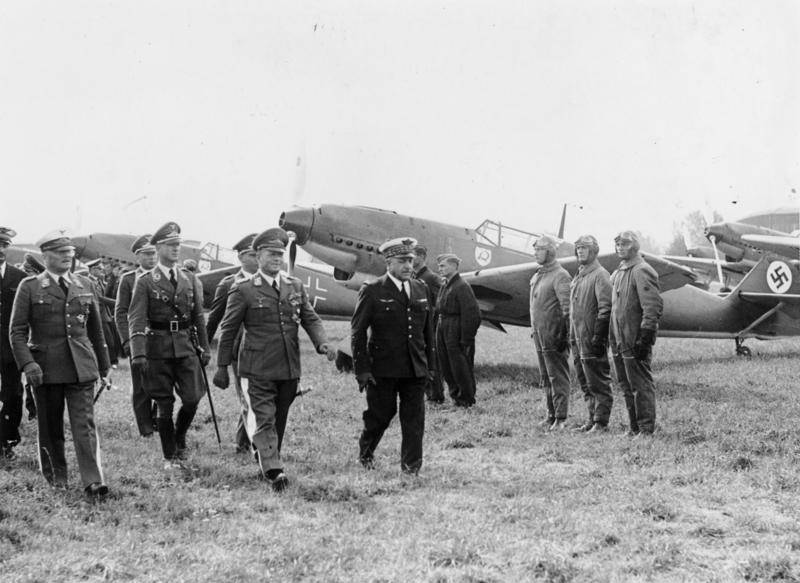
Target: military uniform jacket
(62,334)
(123,303)
(549,304)
(156,304)
(105,303)
(400,342)
(635,301)
(220,301)
(8,289)
(270,346)
(433,281)
(590,302)
(457,301)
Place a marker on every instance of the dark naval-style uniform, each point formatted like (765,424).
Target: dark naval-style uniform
(459,320)
(10,382)
(434,388)
(392,340)
(166,324)
(56,332)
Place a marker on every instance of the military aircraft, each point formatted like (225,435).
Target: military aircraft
(497,263)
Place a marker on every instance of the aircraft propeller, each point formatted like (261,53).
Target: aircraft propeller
(292,251)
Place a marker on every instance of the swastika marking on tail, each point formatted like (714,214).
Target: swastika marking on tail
(779,277)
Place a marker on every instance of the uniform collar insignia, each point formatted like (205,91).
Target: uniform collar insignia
(45,281)
(257,280)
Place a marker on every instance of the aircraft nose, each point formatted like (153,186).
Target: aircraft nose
(300,220)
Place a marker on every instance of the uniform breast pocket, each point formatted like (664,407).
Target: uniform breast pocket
(42,307)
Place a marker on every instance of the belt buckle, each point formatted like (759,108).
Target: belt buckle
(173,326)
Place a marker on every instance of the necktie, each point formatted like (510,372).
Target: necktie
(172,279)
(275,287)
(62,283)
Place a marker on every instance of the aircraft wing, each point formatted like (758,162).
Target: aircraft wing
(709,266)
(787,246)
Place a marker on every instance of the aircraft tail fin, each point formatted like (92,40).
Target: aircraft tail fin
(771,281)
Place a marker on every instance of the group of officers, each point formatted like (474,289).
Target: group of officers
(410,331)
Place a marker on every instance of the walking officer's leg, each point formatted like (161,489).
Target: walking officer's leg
(80,405)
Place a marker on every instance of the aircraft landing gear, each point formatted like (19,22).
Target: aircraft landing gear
(741,349)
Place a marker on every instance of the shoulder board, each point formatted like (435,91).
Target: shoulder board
(227,278)
(128,273)
(30,278)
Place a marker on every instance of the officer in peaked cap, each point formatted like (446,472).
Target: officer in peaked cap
(458,323)
(168,343)
(636,308)
(98,278)
(270,306)
(31,265)
(248,259)
(393,354)
(549,306)
(589,314)
(10,382)
(143,405)
(57,339)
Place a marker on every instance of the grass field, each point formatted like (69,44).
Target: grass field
(713,497)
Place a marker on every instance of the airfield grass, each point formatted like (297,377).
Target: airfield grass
(712,497)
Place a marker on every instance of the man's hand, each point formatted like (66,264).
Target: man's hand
(205,358)
(221,378)
(598,346)
(33,374)
(600,338)
(126,348)
(139,366)
(643,346)
(328,351)
(104,375)
(365,379)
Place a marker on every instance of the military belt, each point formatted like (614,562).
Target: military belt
(171,325)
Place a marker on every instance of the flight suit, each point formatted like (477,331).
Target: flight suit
(459,320)
(549,305)
(636,305)
(63,334)
(140,399)
(215,316)
(590,311)
(269,355)
(434,388)
(398,353)
(162,321)
(10,382)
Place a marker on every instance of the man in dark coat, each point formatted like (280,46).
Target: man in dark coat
(10,381)
(97,275)
(636,308)
(248,258)
(271,307)
(459,320)
(434,389)
(392,343)
(142,403)
(168,341)
(57,338)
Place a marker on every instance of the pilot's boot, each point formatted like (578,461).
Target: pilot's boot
(634,430)
(166,432)
(185,416)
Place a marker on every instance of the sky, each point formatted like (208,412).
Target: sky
(120,116)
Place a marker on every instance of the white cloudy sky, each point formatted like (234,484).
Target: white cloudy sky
(639,110)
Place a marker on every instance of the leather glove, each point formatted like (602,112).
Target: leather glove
(126,348)
(33,374)
(563,344)
(365,379)
(139,366)
(104,373)
(328,350)
(205,358)
(600,338)
(221,378)
(643,346)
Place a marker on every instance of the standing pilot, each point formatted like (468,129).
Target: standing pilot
(636,308)
(249,261)
(434,389)
(142,403)
(10,382)
(589,313)
(392,343)
(57,339)
(168,340)
(271,307)
(459,320)
(549,304)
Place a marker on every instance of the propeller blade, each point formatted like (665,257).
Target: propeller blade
(292,251)
(713,240)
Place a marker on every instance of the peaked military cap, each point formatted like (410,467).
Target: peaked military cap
(451,257)
(94,263)
(420,250)
(273,238)
(32,264)
(55,240)
(7,234)
(400,247)
(169,233)
(142,244)
(246,244)
(545,242)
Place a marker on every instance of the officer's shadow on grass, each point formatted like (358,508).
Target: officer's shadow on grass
(507,374)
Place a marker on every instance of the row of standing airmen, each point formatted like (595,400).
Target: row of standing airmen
(57,340)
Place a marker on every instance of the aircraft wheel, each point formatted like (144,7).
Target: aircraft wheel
(744,351)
